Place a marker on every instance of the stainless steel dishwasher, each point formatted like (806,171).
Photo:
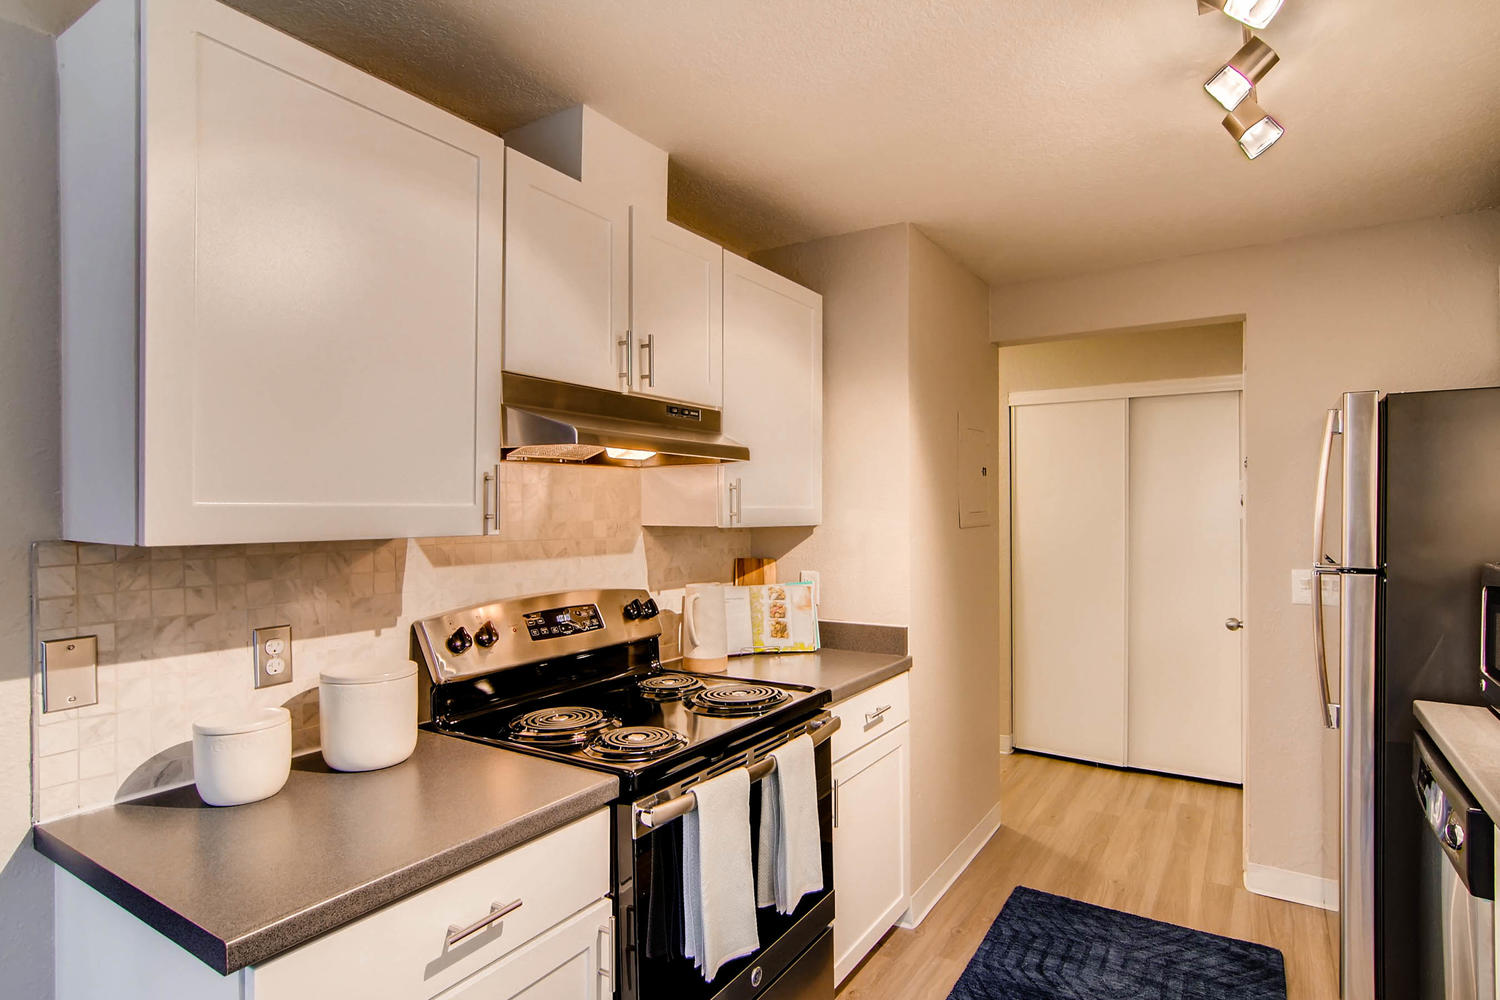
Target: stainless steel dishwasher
(1457,884)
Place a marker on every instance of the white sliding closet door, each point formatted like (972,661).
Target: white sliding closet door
(1184,582)
(1068,565)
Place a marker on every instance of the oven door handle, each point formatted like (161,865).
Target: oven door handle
(648,818)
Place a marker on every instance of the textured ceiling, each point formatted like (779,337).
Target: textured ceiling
(1030,137)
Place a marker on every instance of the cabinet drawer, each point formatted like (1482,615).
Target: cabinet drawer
(870,714)
(400,952)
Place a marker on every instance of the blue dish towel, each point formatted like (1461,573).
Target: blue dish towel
(718,892)
(789,857)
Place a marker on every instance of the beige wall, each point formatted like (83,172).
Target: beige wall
(955,687)
(1402,307)
(1105,359)
(905,350)
(28,474)
(866,430)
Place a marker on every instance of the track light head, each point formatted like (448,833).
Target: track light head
(1255,13)
(1252,128)
(1234,82)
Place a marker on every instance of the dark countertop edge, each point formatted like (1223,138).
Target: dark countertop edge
(194,939)
(1456,757)
(295,929)
(898,665)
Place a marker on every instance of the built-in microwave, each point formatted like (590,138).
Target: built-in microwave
(1489,636)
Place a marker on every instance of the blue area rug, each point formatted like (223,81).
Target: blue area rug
(1046,947)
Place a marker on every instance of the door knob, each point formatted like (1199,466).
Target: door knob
(1233,624)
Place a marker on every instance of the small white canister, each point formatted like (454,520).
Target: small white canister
(242,756)
(368,718)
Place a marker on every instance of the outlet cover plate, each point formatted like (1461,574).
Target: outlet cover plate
(273,665)
(70,673)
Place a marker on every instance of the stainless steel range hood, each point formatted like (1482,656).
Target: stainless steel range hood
(547,421)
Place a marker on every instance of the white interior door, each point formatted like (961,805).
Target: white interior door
(1068,566)
(1184,582)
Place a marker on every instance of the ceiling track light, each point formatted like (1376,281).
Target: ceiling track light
(1252,128)
(1238,77)
(1254,13)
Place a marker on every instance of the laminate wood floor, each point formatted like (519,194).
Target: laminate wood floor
(1164,848)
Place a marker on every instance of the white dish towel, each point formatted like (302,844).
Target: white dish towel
(718,897)
(790,860)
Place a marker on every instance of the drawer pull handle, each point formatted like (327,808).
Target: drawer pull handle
(871,718)
(457,935)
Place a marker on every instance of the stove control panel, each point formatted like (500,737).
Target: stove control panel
(556,622)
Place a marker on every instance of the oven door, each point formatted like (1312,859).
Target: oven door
(649,900)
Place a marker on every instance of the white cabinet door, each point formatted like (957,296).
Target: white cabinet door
(677,312)
(567,277)
(871,848)
(573,961)
(1068,536)
(1184,582)
(773,398)
(318,259)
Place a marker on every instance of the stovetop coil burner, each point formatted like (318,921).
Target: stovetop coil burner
(669,687)
(635,743)
(736,699)
(567,725)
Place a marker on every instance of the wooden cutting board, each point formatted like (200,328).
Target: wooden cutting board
(754,572)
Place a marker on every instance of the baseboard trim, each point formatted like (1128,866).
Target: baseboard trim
(1007,744)
(939,882)
(1294,887)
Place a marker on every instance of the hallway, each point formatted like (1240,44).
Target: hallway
(1161,847)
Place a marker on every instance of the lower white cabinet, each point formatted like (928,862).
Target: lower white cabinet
(540,921)
(872,823)
(573,961)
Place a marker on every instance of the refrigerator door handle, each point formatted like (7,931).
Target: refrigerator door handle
(1323,565)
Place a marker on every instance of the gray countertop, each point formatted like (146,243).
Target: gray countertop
(237,886)
(1469,738)
(843,672)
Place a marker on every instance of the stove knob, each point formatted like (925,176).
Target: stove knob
(633,610)
(459,641)
(486,636)
(649,609)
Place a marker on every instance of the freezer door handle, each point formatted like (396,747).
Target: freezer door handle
(1323,565)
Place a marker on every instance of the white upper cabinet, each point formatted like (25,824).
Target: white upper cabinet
(676,306)
(281,289)
(567,277)
(773,398)
(773,404)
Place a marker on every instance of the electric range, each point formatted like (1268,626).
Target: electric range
(577,677)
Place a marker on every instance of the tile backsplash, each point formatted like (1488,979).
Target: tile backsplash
(174,623)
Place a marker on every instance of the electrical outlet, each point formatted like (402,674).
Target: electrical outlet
(815,578)
(1302,588)
(273,655)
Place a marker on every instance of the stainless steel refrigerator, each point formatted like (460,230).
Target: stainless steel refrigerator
(1420,518)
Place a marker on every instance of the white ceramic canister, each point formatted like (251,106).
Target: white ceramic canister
(705,636)
(242,756)
(368,718)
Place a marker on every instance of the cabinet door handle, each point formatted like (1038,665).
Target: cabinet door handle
(457,935)
(648,349)
(835,803)
(627,357)
(491,487)
(871,718)
(607,960)
(734,501)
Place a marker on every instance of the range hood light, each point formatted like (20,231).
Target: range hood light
(629,454)
(1250,64)
(1252,128)
(1255,13)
